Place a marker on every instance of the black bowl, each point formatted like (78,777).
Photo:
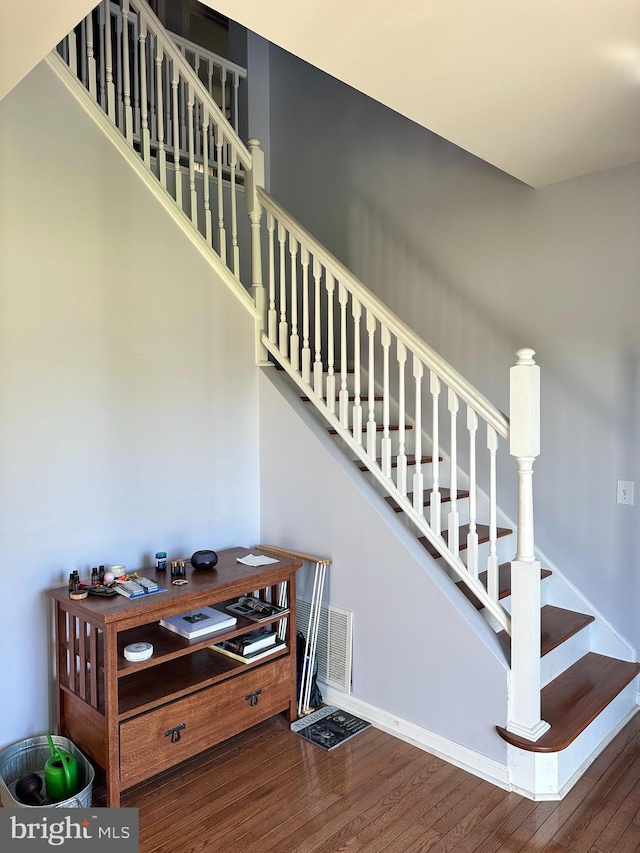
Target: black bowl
(204,560)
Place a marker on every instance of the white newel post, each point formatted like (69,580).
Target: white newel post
(254,179)
(524,704)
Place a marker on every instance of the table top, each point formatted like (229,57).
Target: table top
(229,579)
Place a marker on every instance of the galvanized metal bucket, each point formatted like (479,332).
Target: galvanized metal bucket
(30,756)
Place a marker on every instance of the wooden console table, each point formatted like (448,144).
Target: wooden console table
(137,719)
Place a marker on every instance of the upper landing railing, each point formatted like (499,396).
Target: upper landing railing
(151,89)
(318,320)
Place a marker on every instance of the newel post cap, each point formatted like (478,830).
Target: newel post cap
(525,405)
(525,355)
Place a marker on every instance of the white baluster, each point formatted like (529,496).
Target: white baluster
(162,154)
(91,59)
(72,51)
(356,312)
(210,67)
(295,338)
(472,536)
(83,52)
(208,231)
(254,180)
(454,518)
(144,117)
(492,559)
(192,164)
(223,85)
(318,372)
(126,78)
(435,501)
(236,84)
(343,396)
(222,237)
(176,133)
(283,328)
(306,351)
(182,113)
(136,78)
(524,706)
(273,314)
(118,91)
(385,444)
(102,94)
(167,102)
(418,477)
(234,220)
(153,121)
(330,284)
(401,462)
(372,437)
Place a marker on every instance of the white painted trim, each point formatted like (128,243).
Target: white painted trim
(58,65)
(461,756)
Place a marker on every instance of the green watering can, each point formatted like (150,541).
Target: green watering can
(60,773)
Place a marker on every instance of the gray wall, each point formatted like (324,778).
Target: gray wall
(128,388)
(480,265)
(415,655)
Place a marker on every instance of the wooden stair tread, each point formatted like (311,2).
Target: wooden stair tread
(411,460)
(556,626)
(574,699)
(504,583)
(445,497)
(481,529)
(379,428)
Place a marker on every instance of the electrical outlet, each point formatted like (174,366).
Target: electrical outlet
(625,491)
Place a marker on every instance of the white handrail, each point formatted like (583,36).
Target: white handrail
(430,357)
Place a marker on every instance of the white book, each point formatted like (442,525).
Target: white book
(197,623)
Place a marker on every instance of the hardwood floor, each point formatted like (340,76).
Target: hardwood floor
(268,791)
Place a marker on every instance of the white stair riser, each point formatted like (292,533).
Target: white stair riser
(549,776)
(563,656)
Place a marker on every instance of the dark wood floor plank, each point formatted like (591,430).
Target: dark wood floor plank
(607,841)
(379,829)
(269,791)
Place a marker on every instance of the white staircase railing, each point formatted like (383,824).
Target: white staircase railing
(136,72)
(343,347)
(319,320)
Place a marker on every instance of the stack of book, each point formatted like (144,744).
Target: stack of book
(198,623)
(252,646)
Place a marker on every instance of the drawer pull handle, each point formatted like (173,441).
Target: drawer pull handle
(174,733)
(253,698)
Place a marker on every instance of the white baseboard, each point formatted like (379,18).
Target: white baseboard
(461,756)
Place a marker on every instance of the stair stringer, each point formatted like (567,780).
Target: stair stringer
(299,509)
(95,112)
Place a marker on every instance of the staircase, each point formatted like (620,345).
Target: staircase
(425,442)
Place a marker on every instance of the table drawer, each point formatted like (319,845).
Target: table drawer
(176,731)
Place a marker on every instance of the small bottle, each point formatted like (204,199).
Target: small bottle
(71,578)
(161,561)
(95,576)
(101,574)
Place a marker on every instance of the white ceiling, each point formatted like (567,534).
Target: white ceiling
(544,89)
